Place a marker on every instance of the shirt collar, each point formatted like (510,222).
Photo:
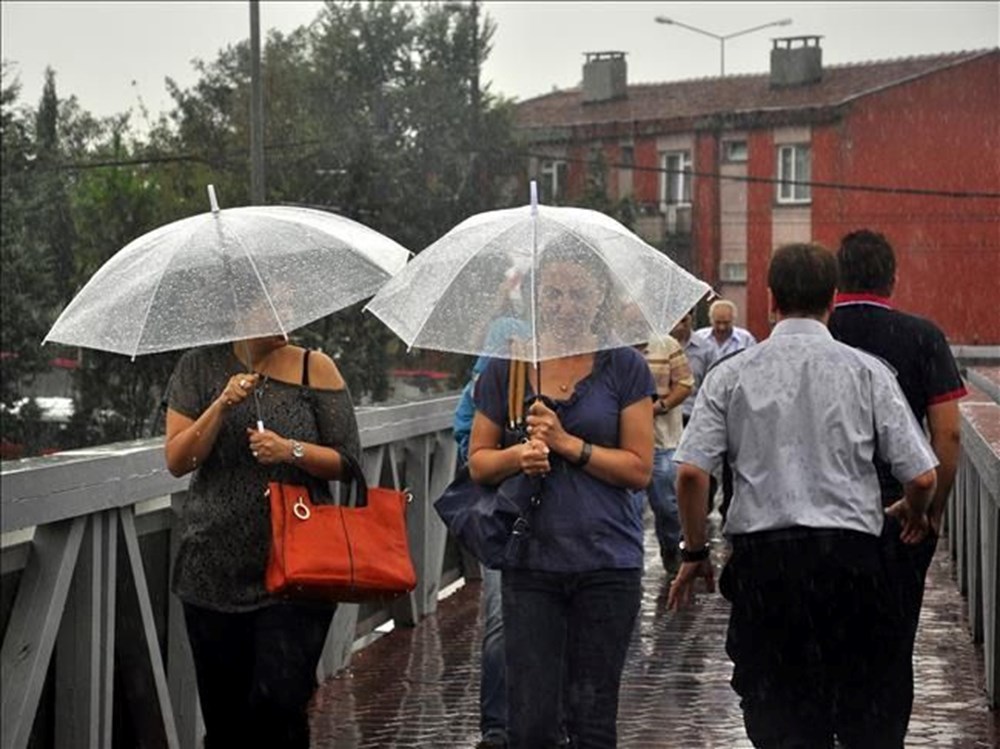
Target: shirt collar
(863,298)
(800,326)
(695,340)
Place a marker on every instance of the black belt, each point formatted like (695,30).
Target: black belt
(796,533)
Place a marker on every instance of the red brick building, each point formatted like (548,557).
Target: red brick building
(724,170)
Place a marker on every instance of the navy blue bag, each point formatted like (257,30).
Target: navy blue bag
(493,522)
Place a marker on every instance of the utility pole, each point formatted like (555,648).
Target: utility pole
(256,110)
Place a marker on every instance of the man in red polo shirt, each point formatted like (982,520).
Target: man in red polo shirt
(928,376)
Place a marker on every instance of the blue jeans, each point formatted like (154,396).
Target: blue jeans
(574,626)
(493,680)
(662,491)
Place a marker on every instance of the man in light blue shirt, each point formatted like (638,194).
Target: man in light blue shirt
(724,339)
(700,355)
(801,417)
(723,335)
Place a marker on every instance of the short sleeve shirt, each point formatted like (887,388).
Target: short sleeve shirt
(583,524)
(700,355)
(738,340)
(801,417)
(914,347)
(225,525)
(670,370)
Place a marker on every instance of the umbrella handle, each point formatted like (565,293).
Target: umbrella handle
(211,199)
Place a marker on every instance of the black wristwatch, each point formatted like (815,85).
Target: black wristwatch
(694,555)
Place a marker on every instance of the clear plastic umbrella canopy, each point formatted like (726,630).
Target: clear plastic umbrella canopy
(536,283)
(227,275)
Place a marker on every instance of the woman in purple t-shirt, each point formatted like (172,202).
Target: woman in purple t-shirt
(570,602)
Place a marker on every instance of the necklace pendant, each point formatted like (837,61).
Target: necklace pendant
(564,388)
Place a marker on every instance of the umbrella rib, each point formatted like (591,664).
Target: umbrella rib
(467,260)
(618,277)
(260,281)
(156,288)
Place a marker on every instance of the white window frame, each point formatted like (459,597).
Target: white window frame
(548,173)
(794,164)
(675,186)
(733,271)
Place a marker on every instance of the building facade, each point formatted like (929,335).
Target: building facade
(724,170)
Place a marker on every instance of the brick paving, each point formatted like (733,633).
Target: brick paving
(419,687)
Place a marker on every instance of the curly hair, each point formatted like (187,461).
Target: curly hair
(866,263)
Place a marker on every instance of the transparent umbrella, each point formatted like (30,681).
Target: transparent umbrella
(227,275)
(517,270)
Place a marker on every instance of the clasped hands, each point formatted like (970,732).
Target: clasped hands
(545,433)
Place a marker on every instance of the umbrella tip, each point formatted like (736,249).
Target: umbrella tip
(534,197)
(211,199)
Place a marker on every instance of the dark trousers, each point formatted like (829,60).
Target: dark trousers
(573,626)
(812,634)
(907,565)
(256,673)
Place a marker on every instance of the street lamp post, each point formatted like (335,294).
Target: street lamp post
(721,38)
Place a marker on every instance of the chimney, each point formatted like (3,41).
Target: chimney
(796,61)
(604,77)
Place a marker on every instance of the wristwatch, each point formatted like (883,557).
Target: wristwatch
(694,555)
(298,452)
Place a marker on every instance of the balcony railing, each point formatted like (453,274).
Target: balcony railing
(973,518)
(88,537)
(90,626)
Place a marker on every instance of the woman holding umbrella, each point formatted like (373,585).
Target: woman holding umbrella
(570,604)
(255,656)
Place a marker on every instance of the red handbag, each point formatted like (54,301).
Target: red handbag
(334,552)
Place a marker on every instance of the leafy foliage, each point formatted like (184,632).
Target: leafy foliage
(375,111)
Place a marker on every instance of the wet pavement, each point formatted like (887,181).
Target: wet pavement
(419,687)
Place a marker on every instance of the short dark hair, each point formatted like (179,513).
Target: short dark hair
(803,279)
(866,262)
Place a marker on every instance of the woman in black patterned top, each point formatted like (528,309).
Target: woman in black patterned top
(255,656)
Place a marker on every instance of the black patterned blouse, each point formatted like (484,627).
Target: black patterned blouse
(225,522)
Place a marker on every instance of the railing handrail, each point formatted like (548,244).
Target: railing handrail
(36,491)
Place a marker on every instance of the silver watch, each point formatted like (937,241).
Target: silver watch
(298,451)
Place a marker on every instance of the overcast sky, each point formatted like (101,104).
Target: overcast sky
(109,53)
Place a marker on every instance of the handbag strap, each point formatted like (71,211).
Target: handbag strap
(357,476)
(353,469)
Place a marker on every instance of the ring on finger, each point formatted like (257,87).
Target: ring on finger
(254,453)
(243,383)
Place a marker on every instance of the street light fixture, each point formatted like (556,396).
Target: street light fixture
(721,38)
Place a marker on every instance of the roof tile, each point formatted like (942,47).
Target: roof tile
(731,94)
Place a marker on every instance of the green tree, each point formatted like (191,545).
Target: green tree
(376,112)
(49,220)
(26,287)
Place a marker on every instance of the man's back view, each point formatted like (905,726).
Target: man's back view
(801,416)
(928,376)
